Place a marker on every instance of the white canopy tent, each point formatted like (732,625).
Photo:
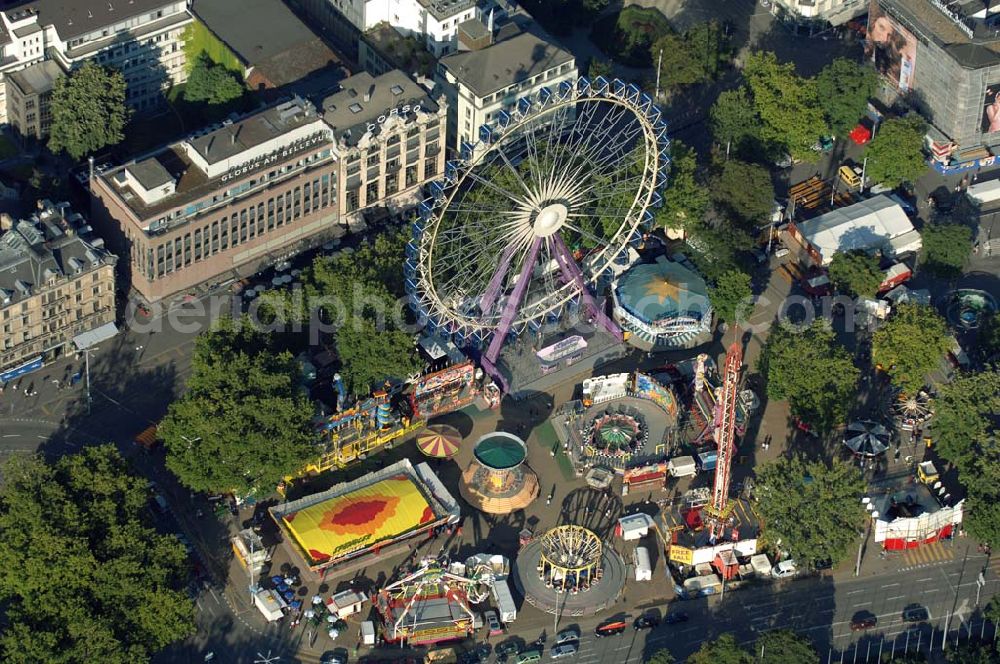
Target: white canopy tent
(877,223)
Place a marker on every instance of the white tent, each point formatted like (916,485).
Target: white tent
(868,225)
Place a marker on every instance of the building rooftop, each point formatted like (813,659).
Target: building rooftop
(268,37)
(37,79)
(961,29)
(445,9)
(520,52)
(53,243)
(363,99)
(227,141)
(74,18)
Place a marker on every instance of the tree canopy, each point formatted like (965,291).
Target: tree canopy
(783,645)
(88,110)
(735,121)
(661,656)
(965,427)
(723,650)
(360,294)
(813,371)
(685,200)
(600,67)
(788,104)
(731,296)
(946,248)
(855,273)
(83,578)
(844,87)
(694,56)
(242,425)
(814,509)
(896,154)
(745,190)
(911,344)
(714,251)
(988,339)
(212,83)
(627,36)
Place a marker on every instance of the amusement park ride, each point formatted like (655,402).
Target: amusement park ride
(719,508)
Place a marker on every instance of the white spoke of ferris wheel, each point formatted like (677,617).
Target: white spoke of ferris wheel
(613,188)
(586,234)
(470,274)
(587,150)
(500,190)
(585,139)
(517,174)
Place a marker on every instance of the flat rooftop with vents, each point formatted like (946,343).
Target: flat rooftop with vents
(196,171)
(363,99)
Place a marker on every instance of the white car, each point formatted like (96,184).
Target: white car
(784,569)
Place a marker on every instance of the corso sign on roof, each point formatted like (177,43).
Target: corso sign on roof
(276,155)
(399,110)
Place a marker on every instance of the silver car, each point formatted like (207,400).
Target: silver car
(564,650)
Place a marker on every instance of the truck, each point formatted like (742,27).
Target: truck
(683,466)
(707,460)
(270,604)
(984,194)
(894,276)
(643,568)
(504,600)
(368,633)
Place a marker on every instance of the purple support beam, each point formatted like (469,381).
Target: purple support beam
(493,288)
(513,303)
(571,271)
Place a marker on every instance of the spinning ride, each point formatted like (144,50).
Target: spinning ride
(544,205)
(570,559)
(498,481)
(912,411)
(617,433)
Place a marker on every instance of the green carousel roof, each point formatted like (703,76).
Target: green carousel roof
(500,450)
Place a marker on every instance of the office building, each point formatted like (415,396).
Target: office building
(29,92)
(514,59)
(943,58)
(57,284)
(821,12)
(389,135)
(223,202)
(142,38)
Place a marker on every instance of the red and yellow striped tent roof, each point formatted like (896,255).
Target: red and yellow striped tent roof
(342,525)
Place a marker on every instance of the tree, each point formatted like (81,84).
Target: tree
(685,200)
(911,345)
(965,428)
(723,650)
(691,57)
(600,67)
(731,296)
(844,87)
(745,190)
(242,425)
(814,509)
(661,656)
(212,83)
(896,154)
(734,119)
(982,517)
(371,356)
(788,105)
(88,110)
(988,339)
(855,273)
(992,610)
(784,645)
(945,249)
(815,373)
(716,251)
(83,577)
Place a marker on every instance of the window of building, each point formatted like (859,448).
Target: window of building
(352,200)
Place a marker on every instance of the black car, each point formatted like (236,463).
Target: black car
(507,648)
(915,613)
(645,622)
(676,617)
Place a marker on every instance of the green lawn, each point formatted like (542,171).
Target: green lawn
(549,440)
(199,39)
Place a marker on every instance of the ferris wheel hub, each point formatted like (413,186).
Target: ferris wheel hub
(550,219)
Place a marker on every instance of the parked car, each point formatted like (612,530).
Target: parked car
(676,617)
(915,613)
(506,648)
(492,623)
(529,656)
(565,650)
(568,635)
(863,620)
(647,621)
(784,570)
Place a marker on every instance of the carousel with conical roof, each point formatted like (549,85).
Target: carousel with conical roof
(498,481)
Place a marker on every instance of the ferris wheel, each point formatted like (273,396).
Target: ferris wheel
(542,207)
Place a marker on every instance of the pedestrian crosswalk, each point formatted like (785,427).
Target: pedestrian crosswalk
(928,554)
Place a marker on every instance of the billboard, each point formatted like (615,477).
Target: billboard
(991,109)
(891,47)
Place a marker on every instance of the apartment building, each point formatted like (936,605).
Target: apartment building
(500,65)
(57,285)
(223,202)
(29,92)
(142,38)
(390,137)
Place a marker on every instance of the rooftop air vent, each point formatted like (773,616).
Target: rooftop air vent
(355,107)
(396,90)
